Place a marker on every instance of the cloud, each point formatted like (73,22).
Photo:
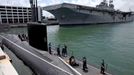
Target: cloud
(49,2)
(24,3)
(86,2)
(124,5)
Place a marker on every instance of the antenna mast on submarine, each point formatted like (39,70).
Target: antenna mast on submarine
(37,32)
(34,10)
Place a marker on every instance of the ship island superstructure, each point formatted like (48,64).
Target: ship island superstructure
(73,14)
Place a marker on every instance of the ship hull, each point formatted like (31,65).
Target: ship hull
(74,16)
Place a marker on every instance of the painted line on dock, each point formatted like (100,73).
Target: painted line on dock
(36,56)
(74,70)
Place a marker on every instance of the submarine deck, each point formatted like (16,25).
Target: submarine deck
(91,70)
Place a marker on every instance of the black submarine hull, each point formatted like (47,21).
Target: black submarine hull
(37,62)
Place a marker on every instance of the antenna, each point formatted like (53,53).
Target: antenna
(34,9)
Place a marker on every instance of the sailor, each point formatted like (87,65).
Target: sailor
(19,35)
(102,67)
(26,38)
(72,61)
(23,37)
(65,50)
(85,65)
(49,48)
(58,50)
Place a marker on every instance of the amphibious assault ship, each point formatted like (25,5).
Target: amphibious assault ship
(72,14)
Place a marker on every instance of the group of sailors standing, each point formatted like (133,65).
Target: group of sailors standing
(59,52)
(63,53)
(72,61)
(23,37)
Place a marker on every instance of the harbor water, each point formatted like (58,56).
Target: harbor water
(112,42)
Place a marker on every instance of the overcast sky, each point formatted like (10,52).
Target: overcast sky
(124,5)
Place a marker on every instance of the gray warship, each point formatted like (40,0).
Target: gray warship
(72,14)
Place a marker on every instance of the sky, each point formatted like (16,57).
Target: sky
(123,5)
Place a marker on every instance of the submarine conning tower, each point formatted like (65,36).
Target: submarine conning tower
(37,33)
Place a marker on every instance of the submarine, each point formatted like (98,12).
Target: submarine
(29,51)
(36,56)
(30,55)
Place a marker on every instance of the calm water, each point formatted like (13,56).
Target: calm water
(112,42)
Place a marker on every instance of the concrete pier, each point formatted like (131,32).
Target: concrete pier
(6,68)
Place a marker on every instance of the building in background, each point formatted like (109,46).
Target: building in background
(13,14)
